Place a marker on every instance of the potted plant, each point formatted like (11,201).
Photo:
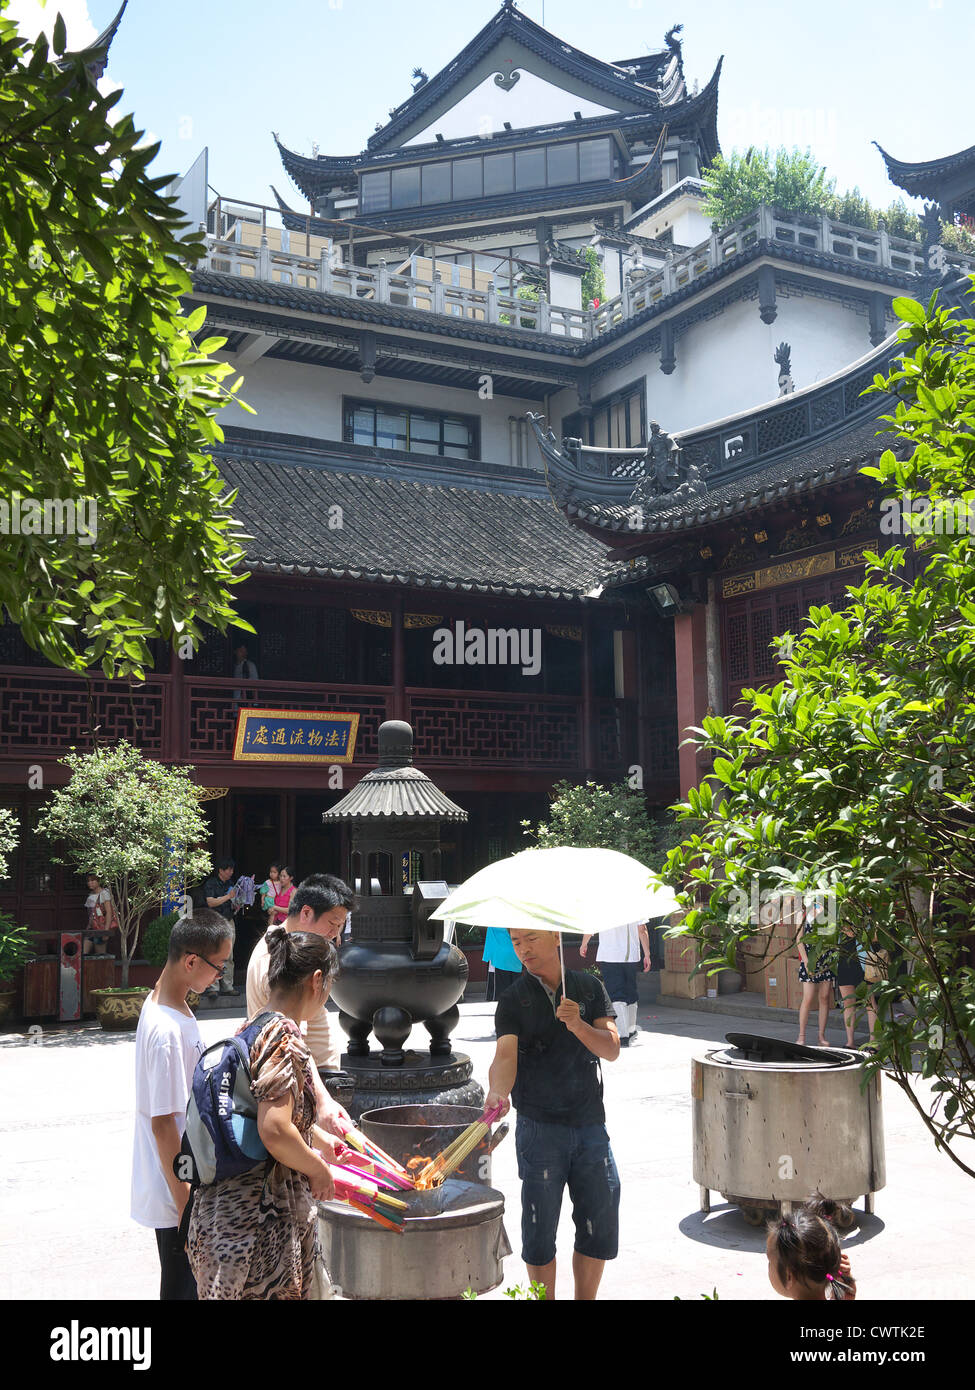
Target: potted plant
(155,946)
(127,818)
(15,951)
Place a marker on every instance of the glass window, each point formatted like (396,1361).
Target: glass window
(391,428)
(595,160)
(375,192)
(362,427)
(529,169)
(499,174)
(563,164)
(406,188)
(435,182)
(424,434)
(415,431)
(468,178)
(635,424)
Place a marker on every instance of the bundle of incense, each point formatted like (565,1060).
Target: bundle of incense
(378,1171)
(365,1146)
(454,1154)
(380,1206)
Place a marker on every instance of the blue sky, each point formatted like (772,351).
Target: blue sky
(832,75)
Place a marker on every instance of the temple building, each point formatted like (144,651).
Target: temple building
(516,397)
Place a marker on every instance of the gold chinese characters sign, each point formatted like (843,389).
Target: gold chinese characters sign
(294,736)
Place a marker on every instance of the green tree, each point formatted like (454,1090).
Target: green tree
(855,775)
(736,184)
(106,398)
(594,280)
(8,838)
(123,816)
(592,816)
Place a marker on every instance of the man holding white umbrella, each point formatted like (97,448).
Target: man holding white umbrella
(554,1028)
(547,1059)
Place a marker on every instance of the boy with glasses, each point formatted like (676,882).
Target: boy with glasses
(167,1048)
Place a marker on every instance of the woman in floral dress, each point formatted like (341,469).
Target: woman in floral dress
(255,1236)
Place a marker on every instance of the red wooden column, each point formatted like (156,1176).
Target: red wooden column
(399,710)
(690,650)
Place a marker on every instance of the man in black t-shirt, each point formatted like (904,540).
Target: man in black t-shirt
(547,1060)
(219,895)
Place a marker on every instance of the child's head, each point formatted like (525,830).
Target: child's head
(804,1256)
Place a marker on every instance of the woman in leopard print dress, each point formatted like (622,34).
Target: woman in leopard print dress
(255,1236)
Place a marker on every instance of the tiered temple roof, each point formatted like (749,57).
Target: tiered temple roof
(949,181)
(649,93)
(492,535)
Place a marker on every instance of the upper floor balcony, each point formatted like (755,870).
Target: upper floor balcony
(252,240)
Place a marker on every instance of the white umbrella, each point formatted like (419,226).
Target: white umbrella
(564,889)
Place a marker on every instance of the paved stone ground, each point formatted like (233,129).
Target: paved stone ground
(65,1153)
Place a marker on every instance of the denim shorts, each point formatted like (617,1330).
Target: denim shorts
(549,1156)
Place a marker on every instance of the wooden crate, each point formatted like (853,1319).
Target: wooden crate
(680,985)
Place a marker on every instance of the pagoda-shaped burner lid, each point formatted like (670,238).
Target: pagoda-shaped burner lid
(395,789)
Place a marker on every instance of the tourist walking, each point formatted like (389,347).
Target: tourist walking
(255,1236)
(548,1061)
(817,987)
(218,894)
(100,910)
(167,1049)
(618,957)
(850,959)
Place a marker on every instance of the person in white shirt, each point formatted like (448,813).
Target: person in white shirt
(167,1048)
(618,958)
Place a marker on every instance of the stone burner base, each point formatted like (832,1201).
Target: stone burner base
(421,1080)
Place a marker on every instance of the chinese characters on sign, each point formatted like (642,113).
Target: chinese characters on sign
(294,736)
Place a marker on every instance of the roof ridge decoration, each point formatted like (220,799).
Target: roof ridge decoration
(96,52)
(511,23)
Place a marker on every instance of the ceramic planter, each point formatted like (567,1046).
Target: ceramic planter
(118,1009)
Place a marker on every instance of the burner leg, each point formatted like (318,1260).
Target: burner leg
(440,1029)
(705,1200)
(392,1026)
(358,1035)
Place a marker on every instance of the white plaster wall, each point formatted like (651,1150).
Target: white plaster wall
(725,365)
(530,102)
(296,398)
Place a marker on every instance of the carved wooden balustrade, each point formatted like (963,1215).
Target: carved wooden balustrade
(193,719)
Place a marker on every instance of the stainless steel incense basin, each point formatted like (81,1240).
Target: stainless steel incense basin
(453,1239)
(774,1122)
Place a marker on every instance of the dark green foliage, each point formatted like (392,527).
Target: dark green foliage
(104,392)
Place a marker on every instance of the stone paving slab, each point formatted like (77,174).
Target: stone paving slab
(65,1155)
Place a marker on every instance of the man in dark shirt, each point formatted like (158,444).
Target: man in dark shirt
(219,896)
(547,1060)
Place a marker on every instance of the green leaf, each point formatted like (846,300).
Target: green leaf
(909,310)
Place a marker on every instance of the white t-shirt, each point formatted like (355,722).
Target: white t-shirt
(167,1048)
(620,943)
